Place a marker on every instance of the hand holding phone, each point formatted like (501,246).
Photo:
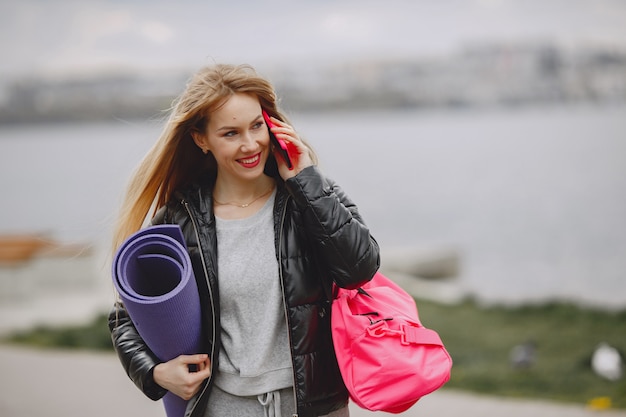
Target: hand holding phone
(279,144)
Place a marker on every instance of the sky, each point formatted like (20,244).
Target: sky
(59,37)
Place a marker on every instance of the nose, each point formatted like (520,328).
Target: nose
(248,142)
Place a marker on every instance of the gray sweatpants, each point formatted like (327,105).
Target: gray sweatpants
(276,404)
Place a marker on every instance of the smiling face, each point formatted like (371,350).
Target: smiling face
(238,138)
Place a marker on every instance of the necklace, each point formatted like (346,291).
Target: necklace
(243,205)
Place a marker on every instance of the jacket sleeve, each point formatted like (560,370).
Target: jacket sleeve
(136,358)
(343,241)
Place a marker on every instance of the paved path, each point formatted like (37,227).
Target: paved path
(78,384)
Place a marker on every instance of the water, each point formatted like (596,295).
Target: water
(534,199)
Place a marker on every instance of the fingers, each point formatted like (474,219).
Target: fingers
(202,363)
(193,359)
(298,150)
(176,377)
(285,132)
(204,371)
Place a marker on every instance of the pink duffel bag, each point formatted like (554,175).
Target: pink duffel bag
(388,360)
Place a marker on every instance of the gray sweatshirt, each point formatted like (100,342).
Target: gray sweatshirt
(255,357)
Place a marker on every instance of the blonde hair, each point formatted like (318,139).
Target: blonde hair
(175,160)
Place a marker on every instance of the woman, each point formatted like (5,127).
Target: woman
(266,244)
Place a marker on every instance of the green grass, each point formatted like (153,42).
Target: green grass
(92,336)
(479,341)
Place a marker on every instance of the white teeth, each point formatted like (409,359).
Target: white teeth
(250,160)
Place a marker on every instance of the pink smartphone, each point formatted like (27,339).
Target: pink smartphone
(280,145)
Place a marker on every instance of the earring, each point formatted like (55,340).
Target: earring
(205,150)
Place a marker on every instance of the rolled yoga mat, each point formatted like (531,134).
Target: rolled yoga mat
(152,273)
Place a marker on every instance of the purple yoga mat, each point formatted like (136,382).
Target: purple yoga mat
(152,273)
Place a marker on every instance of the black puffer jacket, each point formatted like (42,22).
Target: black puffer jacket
(320,238)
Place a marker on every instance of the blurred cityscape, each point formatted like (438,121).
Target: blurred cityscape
(480,75)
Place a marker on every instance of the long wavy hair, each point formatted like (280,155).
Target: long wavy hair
(175,160)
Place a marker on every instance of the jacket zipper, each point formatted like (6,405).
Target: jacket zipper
(282,282)
(206,277)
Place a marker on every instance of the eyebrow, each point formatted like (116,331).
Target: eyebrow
(227,128)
